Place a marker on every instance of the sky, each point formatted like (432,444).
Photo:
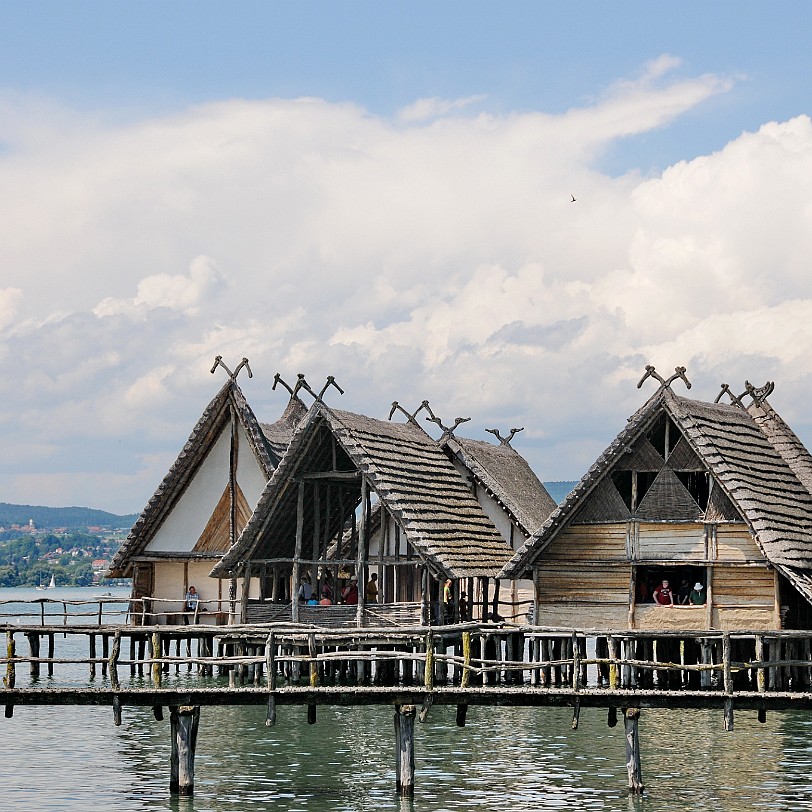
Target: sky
(382,191)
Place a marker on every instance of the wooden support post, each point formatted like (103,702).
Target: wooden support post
(244,592)
(614,671)
(113,661)
(184,722)
(631,719)
(576,714)
(270,670)
(706,650)
(534,649)
(404,750)
(728,680)
(33,646)
(11,651)
(155,654)
(428,674)
(465,679)
(142,644)
(314,675)
(105,653)
(576,662)
(117,710)
(297,553)
(11,674)
(92,655)
(360,563)
(50,654)
(462,712)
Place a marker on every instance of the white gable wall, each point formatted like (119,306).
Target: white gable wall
(185,523)
(250,476)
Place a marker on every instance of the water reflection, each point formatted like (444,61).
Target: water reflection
(504,759)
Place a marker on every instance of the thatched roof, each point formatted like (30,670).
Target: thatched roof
(267,449)
(748,462)
(413,478)
(505,474)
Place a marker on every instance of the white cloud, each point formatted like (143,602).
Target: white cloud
(424,109)
(437,255)
(184,294)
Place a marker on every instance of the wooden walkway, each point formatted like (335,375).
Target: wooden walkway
(184,668)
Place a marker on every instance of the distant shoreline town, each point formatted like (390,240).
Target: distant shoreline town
(73,546)
(76,544)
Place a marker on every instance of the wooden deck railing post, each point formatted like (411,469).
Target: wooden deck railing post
(614,671)
(113,660)
(155,655)
(428,674)
(92,655)
(33,647)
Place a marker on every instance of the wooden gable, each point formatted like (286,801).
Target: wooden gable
(216,537)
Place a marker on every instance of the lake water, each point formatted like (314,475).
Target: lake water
(65,758)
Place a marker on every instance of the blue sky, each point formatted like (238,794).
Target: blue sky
(155,56)
(381,191)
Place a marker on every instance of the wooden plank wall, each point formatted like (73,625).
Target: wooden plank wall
(589,542)
(596,596)
(736,543)
(670,542)
(580,581)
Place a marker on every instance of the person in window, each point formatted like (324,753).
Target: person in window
(683,592)
(697,595)
(663,594)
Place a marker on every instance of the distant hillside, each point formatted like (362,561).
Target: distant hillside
(559,490)
(71,517)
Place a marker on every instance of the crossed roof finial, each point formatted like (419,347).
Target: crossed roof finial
(758,393)
(505,440)
(679,372)
(218,362)
(447,431)
(301,383)
(411,417)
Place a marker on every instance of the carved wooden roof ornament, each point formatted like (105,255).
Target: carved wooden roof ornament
(447,431)
(679,372)
(218,362)
(301,383)
(758,393)
(410,417)
(505,440)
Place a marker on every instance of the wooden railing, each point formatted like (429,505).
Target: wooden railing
(512,659)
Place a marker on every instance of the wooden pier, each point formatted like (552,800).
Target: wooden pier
(408,669)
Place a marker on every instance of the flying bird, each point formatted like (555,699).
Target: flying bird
(573,198)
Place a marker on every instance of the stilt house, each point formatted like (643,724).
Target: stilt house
(201,506)
(356,497)
(714,495)
(511,495)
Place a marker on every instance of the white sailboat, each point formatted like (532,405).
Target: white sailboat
(52,583)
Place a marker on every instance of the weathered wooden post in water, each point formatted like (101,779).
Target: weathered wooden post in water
(404,749)
(184,721)
(631,716)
